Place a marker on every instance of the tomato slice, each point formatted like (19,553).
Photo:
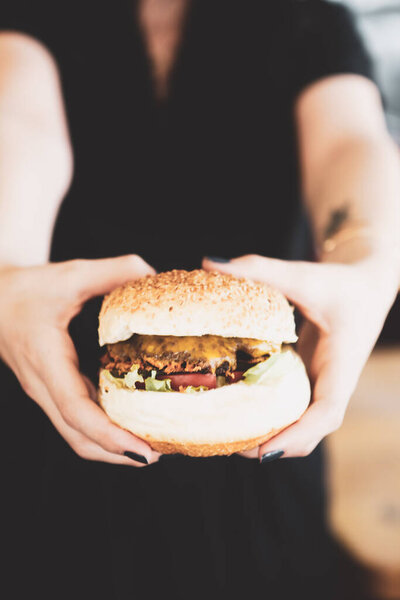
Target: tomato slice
(195,379)
(208,380)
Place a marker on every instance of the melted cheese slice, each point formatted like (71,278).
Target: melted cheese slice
(206,348)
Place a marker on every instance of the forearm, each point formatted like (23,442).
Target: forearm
(32,184)
(35,152)
(354,204)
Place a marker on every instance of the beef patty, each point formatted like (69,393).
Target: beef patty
(188,354)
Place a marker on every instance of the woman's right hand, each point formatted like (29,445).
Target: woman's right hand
(36,307)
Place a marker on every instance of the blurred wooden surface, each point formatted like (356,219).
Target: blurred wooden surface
(364,474)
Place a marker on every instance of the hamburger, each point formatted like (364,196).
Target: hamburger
(200,363)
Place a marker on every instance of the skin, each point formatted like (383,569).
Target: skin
(334,342)
(37,299)
(347,160)
(161,21)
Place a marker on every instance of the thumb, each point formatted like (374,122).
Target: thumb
(97,277)
(303,283)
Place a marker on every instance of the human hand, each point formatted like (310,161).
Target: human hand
(36,307)
(345,306)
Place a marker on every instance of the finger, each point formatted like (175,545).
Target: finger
(333,388)
(90,278)
(253,453)
(303,283)
(91,388)
(83,446)
(69,392)
(86,448)
(299,439)
(80,444)
(97,452)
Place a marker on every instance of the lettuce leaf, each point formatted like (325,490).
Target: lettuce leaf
(152,384)
(132,377)
(117,381)
(221,380)
(276,365)
(129,380)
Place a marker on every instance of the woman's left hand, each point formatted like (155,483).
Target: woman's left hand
(345,306)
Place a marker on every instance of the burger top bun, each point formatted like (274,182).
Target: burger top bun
(196,303)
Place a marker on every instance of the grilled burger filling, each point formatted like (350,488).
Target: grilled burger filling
(181,357)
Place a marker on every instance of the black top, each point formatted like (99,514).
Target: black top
(212,170)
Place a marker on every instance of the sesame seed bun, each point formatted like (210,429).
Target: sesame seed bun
(231,418)
(195,303)
(224,420)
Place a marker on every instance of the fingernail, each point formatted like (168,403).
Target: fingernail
(218,259)
(268,456)
(137,457)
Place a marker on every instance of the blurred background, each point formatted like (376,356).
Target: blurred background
(364,474)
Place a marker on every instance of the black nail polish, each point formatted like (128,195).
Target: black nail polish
(268,456)
(137,457)
(218,259)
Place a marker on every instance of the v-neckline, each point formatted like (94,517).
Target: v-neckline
(158,101)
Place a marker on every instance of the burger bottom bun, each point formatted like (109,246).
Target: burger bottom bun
(221,421)
(221,449)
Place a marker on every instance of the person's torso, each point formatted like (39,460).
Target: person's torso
(211,170)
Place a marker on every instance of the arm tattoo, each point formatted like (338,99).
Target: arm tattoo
(337,219)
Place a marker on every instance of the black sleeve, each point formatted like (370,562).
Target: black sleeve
(324,41)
